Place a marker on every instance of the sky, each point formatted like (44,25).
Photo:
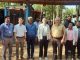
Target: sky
(70,6)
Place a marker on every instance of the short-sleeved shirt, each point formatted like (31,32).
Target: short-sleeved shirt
(57,31)
(20,30)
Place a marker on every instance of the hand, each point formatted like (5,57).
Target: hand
(3,42)
(16,40)
(39,40)
(62,41)
(55,39)
(75,43)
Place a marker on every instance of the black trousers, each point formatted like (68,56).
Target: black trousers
(78,47)
(30,46)
(43,44)
(69,49)
(57,44)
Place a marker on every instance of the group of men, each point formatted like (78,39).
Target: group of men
(59,34)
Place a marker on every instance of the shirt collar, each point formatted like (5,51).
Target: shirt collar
(30,24)
(7,23)
(70,29)
(20,25)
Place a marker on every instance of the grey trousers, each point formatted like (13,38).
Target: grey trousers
(7,44)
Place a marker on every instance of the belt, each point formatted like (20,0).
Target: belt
(58,37)
(8,36)
(19,37)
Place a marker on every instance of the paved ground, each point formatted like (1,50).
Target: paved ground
(36,54)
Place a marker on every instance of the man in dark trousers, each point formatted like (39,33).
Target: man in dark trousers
(31,35)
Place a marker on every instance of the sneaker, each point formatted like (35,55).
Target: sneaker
(46,58)
(40,58)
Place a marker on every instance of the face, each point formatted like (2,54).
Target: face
(7,20)
(37,20)
(30,20)
(57,21)
(69,18)
(44,20)
(20,21)
(70,25)
(77,23)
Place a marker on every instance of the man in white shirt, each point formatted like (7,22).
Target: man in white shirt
(20,35)
(43,37)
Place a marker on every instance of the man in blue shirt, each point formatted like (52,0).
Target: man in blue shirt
(31,35)
(6,35)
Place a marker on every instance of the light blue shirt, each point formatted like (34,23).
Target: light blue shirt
(6,30)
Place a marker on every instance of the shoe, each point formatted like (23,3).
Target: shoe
(40,58)
(46,58)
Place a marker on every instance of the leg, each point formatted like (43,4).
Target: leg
(28,48)
(60,50)
(54,43)
(17,50)
(41,48)
(45,48)
(71,48)
(10,50)
(32,47)
(4,50)
(66,50)
(73,52)
(22,46)
(78,49)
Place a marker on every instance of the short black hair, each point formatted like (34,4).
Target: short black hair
(71,23)
(69,16)
(6,16)
(20,17)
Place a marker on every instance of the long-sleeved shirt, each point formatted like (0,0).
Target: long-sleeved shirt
(6,30)
(31,30)
(72,35)
(43,30)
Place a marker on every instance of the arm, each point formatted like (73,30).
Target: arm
(15,33)
(38,33)
(25,30)
(49,34)
(2,31)
(64,35)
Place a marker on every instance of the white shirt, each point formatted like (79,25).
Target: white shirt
(43,30)
(20,30)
